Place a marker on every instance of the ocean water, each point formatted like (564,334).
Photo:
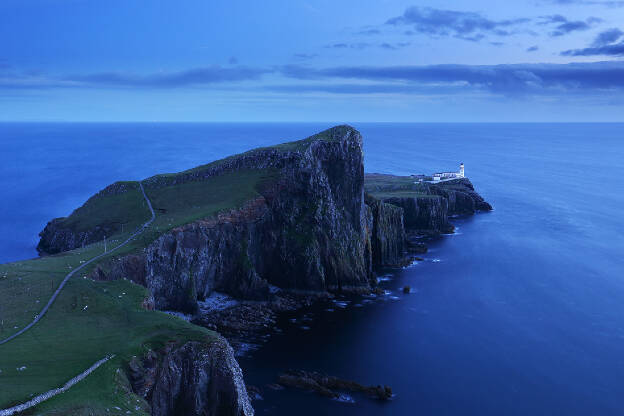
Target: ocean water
(521,312)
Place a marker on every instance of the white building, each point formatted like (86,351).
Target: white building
(449,175)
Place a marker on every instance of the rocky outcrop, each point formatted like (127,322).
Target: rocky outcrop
(330,386)
(197,378)
(426,214)
(387,232)
(429,209)
(309,232)
(61,235)
(461,196)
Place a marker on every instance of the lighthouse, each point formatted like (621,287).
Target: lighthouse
(461,170)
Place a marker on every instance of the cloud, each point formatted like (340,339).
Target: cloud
(305,56)
(365,45)
(563,26)
(616,49)
(604,44)
(371,31)
(500,79)
(532,48)
(459,24)
(192,77)
(188,78)
(607,3)
(607,37)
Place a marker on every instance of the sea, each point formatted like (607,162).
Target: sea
(519,312)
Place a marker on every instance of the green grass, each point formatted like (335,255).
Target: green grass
(126,210)
(401,194)
(330,135)
(70,339)
(390,186)
(187,202)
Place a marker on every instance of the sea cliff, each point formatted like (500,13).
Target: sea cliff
(311,224)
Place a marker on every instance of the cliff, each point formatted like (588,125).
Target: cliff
(292,218)
(304,224)
(193,379)
(427,206)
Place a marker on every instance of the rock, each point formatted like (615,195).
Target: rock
(387,233)
(329,386)
(197,378)
(254,392)
(308,232)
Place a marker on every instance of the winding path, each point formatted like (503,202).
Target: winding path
(82,266)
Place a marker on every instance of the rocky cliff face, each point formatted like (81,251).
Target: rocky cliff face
(428,211)
(310,231)
(197,378)
(426,214)
(461,196)
(387,232)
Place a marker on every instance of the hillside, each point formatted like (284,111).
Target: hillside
(272,227)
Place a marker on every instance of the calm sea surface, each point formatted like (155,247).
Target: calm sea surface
(521,312)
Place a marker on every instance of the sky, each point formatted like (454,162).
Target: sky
(313,60)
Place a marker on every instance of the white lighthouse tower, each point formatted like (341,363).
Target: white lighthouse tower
(461,170)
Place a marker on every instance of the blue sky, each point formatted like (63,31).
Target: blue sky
(315,60)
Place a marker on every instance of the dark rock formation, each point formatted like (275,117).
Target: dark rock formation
(428,211)
(330,386)
(461,196)
(310,232)
(425,214)
(387,233)
(197,378)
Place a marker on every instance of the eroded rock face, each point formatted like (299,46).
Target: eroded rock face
(197,378)
(427,214)
(430,212)
(387,233)
(461,196)
(310,232)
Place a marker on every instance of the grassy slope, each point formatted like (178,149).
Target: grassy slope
(69,339)
(388,186)
(125,209)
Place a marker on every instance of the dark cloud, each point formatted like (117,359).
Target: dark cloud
(362,89)
(342,45)
(189,78)
(364,45)
(372,31)
(616,49)
(394,46)
(464,25)
(305,55)
(604,44)
(532,48)
(563,26)
(607,3)
(607,37)
(500,79)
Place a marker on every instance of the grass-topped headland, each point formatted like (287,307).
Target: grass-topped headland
(91,320)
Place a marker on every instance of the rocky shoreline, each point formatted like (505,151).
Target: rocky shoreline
(320,228)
